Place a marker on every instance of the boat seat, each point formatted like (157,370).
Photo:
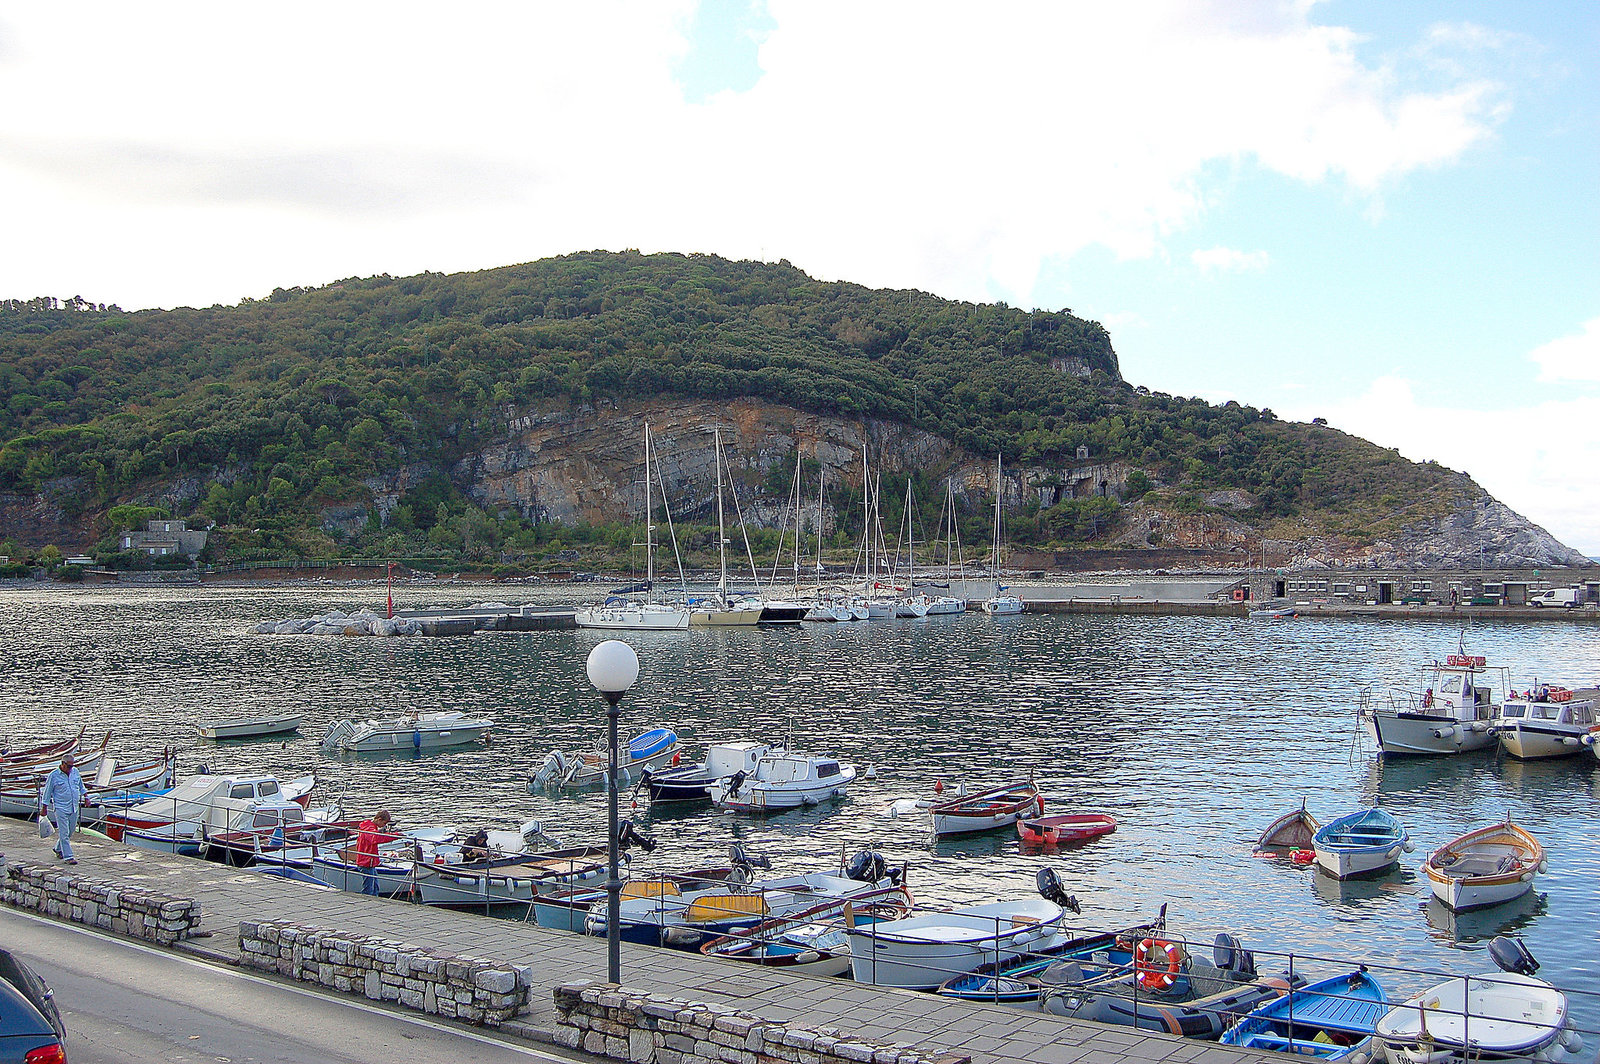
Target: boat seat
(1302,1046)
(651,889)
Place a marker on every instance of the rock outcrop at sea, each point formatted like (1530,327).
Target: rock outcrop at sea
(337,622)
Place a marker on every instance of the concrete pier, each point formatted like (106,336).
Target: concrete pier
(987,1034)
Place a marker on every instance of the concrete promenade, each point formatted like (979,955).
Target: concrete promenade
(988,1034)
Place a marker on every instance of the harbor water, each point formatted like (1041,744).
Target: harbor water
(1193,732)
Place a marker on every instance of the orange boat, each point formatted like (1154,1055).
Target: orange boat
(1066,829)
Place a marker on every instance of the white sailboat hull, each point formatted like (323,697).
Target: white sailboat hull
(1002,605)
(633,617)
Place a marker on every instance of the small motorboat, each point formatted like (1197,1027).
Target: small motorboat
(1065,830)
(1330,1020)
(1546,722)
(783,780)
(1078,959)
(412,732)
(685,918)
(250,727)
(1362,843)
(568,909)
(1292,831)
(1200,1001)
(691,783)
(1509,1015)
(1485,867)
(963,813)
(646,751)
(208,800)
(1275,613)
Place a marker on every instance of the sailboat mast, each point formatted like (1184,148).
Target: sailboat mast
(999,493)
(722,536)
(797,503)
(649,516)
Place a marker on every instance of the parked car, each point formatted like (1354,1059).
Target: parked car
(31,1031)
(1556,596)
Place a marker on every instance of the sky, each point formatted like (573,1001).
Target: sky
(1383,214)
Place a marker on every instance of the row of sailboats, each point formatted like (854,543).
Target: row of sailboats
(877,595)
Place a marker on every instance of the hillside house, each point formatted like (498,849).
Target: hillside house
(162,538)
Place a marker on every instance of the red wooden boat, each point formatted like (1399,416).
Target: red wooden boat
(1066,829)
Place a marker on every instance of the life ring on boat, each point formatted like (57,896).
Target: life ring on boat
(1427,698)
(1147,961)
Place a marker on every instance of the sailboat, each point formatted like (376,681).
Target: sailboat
(720,610)
(830,604)
(945,605)
(1001,603)
(910,604)
(618,611)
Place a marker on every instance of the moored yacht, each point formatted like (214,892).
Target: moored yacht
(783,780)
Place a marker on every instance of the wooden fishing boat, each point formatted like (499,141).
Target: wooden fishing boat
(43,752)
(1066,829)
(1077,959)
(996,807)
(250,727)
(1292,831)
(110,786)
(1451,709)
(1330,1020)
(814,941)
(1485,867)
(1365,842)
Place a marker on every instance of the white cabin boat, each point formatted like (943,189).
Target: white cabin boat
(624,614)
(250,727)
(1548,722)
(415,731)
(208,799)
(783,780)
(1499,1016)
(921,952)
(1452,710)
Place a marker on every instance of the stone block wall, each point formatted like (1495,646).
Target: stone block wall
(145,914)
(625,1024)
(473,989)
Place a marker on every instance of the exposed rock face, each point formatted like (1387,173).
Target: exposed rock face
(37,520)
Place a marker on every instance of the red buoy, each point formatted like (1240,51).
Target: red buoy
(938,786)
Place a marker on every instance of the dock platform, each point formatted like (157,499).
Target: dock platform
(989,1034)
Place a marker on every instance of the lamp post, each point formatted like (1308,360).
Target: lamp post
(613,667)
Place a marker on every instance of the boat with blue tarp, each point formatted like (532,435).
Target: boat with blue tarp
(1331,1020)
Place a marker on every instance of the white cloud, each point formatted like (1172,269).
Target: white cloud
(192,152)
(1542,460)
(1571,358)
(1228,260)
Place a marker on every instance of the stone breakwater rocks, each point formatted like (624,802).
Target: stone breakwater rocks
(626,1024)
(472,989)
(360,623)
(142,914)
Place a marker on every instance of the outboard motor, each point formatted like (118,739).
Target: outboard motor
(735,782)
(866,867)
(1512,955)
(552,771)
(1230,956)
(739,858)
(628,835)
(1052,889)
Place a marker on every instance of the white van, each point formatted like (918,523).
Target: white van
(1556,596)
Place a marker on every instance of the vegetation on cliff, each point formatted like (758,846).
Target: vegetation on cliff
(258,416)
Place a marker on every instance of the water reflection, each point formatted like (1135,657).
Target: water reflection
(1194,732)
(1481,925)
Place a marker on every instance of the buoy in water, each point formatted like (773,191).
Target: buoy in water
(872,772)
(938,786)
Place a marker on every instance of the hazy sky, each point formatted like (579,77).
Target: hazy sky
(1385,214)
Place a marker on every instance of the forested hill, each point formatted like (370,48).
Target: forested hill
(267,413)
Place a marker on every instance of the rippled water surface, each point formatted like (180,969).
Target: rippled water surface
(1194,732)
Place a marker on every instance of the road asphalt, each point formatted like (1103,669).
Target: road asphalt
(127,1003)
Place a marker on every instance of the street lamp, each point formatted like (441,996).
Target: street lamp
(613,667)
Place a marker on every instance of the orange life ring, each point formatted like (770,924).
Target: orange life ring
(1147,962)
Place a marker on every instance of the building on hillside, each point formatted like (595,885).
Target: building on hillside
(162,538)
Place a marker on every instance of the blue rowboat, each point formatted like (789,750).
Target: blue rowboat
(1360,843)
(1331,1020)
(651,743)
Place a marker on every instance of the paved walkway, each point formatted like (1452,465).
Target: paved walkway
(989,1034)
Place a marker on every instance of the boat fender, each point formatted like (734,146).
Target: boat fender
(1569,740)
(1527,877)
(677,758)
(681,937)
(1572,1041)
(1588,739)
(1544,865)
(1302,856)
(1446,733)
(1394,853)
(1408,845)
(809,956)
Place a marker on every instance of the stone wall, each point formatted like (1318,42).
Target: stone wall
(472,989)
(625,1024)
(145,914)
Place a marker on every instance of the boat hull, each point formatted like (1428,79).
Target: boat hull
(632,618)
(922,952)
(1365,843)
(1535,743)
(1421,735)
(1003,606)
(250,729)
(1065,830)
(1505,1015)
(1486,867)
(1204,1017)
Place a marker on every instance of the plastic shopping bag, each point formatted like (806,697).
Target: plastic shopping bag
(45,826)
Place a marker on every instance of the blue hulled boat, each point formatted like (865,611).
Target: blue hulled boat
(1361,843)
(1330,1020)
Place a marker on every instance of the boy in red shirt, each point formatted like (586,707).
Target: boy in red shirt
(368,837)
